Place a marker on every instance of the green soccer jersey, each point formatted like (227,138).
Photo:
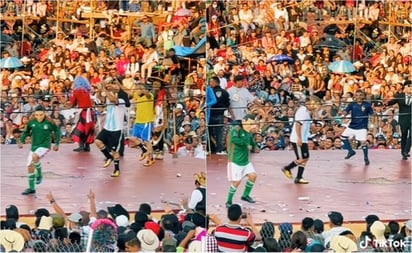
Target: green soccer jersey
(41,134)
(238,146)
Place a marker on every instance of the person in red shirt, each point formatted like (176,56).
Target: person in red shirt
(357,51)
(83,133)
(261,67)
(121,65)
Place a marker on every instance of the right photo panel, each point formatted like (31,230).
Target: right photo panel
(308,113)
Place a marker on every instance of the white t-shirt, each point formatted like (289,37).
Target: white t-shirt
(302,116)
(239,99)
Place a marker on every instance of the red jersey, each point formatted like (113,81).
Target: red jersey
(81,98)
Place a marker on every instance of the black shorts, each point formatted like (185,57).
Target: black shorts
(301,152)
(112,139)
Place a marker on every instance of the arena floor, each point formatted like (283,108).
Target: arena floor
(70,176)
(382,188)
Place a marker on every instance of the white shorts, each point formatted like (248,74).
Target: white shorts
(360,134)
(40,152)
(236,172)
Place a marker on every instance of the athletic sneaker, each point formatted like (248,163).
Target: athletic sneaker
(28,191)
(39,180)
(350,154)
(367,161)
(158,156)
(287,173)
(301,181)
(115,173)
(248,199)
(149,162)
(221,153)
(108,162)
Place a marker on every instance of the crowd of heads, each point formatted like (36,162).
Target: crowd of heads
(114,230)
(53,59)
(312,235)
(279,59)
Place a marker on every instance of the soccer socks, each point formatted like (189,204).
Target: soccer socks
(300,172)
(248,188)
(32,177)
(290,166)
(347,144)
(365,152)
(142,147)
(106,152)
(231,193)
(116,164)
(38,170)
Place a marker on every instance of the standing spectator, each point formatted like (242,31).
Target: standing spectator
(246,18)
(147,30)
(240,97)
(40,129)
(217,115)
(31,104)
(196,25)
(281,16)
(404,101)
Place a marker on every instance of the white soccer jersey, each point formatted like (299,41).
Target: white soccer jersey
(115,114)
(302,116)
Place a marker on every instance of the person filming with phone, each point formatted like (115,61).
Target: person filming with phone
(232,236)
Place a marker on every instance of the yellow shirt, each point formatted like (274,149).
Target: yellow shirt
(145,112)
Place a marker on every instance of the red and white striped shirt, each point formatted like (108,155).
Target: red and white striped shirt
(234,238)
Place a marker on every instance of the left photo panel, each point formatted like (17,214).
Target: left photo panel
(103,126)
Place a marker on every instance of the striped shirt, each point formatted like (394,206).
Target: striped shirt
(115,115)
(234,238)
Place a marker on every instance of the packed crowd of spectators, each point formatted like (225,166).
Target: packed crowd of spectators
(52,55)
(113,230)
(282,49)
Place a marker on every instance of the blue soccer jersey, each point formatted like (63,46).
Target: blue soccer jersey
(359,114)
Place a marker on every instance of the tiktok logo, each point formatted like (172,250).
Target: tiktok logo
(389,243)
(364,243)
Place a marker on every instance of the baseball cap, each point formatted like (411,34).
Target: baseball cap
(75,217)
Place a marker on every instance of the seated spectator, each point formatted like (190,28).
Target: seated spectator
(245,237)
(340,243)
(335,223)
(286,231)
